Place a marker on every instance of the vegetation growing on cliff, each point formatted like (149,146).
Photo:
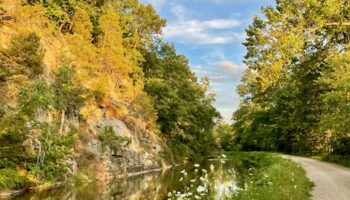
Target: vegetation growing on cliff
(67,61)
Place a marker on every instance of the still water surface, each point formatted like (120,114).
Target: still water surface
(224,177)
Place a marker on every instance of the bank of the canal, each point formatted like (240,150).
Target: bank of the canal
(232,175)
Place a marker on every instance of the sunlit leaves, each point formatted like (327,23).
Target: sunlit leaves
(296,82)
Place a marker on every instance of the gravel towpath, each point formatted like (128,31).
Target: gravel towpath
(332,182)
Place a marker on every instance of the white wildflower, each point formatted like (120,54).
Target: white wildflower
(196,165)
(204,171)
(212,168)
(200,189)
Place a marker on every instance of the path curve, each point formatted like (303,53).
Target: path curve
(332,182)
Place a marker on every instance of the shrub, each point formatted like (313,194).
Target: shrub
(11,179)
(109,138)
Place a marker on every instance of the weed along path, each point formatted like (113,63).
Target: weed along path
(332,182)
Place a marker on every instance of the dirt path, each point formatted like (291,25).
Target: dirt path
(332,182)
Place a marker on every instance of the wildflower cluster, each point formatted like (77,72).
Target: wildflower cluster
(198,186)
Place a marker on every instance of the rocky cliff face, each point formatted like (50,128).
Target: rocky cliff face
(140,149)
(131,148)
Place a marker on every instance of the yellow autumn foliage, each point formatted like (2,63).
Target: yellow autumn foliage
(104,67)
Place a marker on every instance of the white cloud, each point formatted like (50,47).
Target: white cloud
(197,69)
(220,72)
(217,78)
(226,114)
(221,23)
(201,32)
(187,30)
(231,68)
(179,11)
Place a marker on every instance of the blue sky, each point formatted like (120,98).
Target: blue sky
(210,33)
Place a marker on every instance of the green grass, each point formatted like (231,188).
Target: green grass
(11,179)
(274,178)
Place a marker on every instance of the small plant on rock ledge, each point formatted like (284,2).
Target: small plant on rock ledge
(109,138)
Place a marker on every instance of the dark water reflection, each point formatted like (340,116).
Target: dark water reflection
(228,176)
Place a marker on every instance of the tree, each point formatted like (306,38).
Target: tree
(27,49)
(225,134)
(185,114)
(289,52)
(20,63)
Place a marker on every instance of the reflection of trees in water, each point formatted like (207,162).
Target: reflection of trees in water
(153,186)
(146,187)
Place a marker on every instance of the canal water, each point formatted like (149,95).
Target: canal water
(214,178)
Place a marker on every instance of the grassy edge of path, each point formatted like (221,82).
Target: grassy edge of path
(275,178)
(335,159)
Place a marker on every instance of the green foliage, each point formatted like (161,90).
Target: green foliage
(225,134)
(29,143)
(109,42)
(10,66)
(11,179)
(79,179)
(27,49)
(185,114)
(69,95)
(35,145)
(343,160)
(140,23)
(295,91)
(22,61)
(109,138)
(143,108)
(51,159)
(63,11)
(39,95)
(179,151)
